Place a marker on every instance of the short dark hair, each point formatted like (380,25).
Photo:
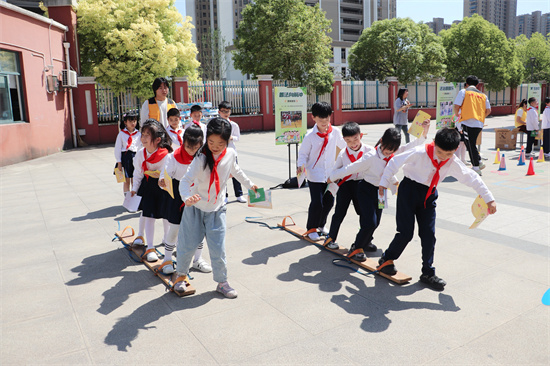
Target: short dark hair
(546,100)
(401,92)
(193,135)
(158,82)
(350,129)
(321,109)
(391,139)
(130,115)
(531,100)
(224,105)
(472,80)
(173,112)
(447,139)
(196,108)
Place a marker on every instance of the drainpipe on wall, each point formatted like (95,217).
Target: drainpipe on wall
(67,45)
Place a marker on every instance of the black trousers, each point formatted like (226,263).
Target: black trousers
(347,193)
(369,213)
(470,138)
(320,205)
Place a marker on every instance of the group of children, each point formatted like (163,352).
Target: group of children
(527,121)
(197,159)
(363,173)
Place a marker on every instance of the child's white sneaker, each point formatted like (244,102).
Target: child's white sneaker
(241,199)
(324,230)
(226,290)
(168,269)
(313,236)
(180,286)
(202,265)
(152,257)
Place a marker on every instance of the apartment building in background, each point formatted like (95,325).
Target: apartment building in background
(535,22)
(502,13)
(438,24)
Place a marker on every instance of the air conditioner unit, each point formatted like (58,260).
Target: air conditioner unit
(68,79)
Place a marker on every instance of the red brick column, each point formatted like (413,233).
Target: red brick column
(336,102)
(265,91)
(180,89)
(62,11)
(392,94)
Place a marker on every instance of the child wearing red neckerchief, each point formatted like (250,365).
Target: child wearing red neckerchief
(424,167)
(317,156)
(203,191)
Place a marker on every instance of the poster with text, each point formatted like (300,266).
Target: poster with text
(446,94)
(290,115)
(535,90)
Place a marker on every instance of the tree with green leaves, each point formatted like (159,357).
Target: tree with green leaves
(213,55)
(128,43)
(287,39)
(477,47)
(534,55)
(397,47)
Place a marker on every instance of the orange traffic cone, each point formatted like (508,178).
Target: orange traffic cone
(502,163)
(541,156)
(497,157)
(521,157)
(531,170)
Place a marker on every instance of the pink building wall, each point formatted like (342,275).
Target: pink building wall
(47,128)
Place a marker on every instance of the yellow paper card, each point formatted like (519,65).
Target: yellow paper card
(416,128)
(120,177)
(169,185)
(480,210)
(153,173)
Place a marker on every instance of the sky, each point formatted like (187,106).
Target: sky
(426,10)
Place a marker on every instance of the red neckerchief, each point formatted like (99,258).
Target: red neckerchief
(178,133)
(387,158)
(182,156)
(214,177)
(353,159)
(129,137)
(430,151)
(323,136)
(197,123)
(155,157)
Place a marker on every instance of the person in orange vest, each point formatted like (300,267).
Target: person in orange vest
(472,106)
(157,107)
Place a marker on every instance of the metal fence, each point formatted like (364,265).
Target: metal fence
(521,93)
(312,97)
(364,94)
(111,105)
(501,97)
(422,94)
(242,94)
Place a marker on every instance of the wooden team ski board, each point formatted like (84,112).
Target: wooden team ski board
(127,236)
(370,264)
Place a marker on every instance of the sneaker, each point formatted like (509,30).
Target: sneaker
(330,244)
(226,290)
(180,286)
(168,270)
(314,236)
(225,201)
(478,171)
(201,265)
(433,281)
(481,165)
(138,241)
(241,199)
(389,269)
(370,247)
(359,256)
(152,257)
(323,230)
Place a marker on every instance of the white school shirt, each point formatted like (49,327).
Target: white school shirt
(546,118)
(418,166)
(343,160)
(472,122)
(200,177)
(163,110)
(122,142)
(235,133)
(532,120)
(371,166)
(138,173)
(203,128)
(174,137)
(174,169)
(309,151)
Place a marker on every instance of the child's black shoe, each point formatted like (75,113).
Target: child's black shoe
(387,269)
(370,247)
(357,254)
(433,281)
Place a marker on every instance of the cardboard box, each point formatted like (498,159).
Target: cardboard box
(506,139)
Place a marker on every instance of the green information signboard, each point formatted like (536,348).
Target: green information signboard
(290,115)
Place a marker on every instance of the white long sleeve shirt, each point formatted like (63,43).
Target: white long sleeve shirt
(546,118)
(174,136)
(235,134)
(174,169)
(418,166)
(532,120)
(122,141)
(139,173)
(343,161)
(371,166)
(200,177)
(309,151)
